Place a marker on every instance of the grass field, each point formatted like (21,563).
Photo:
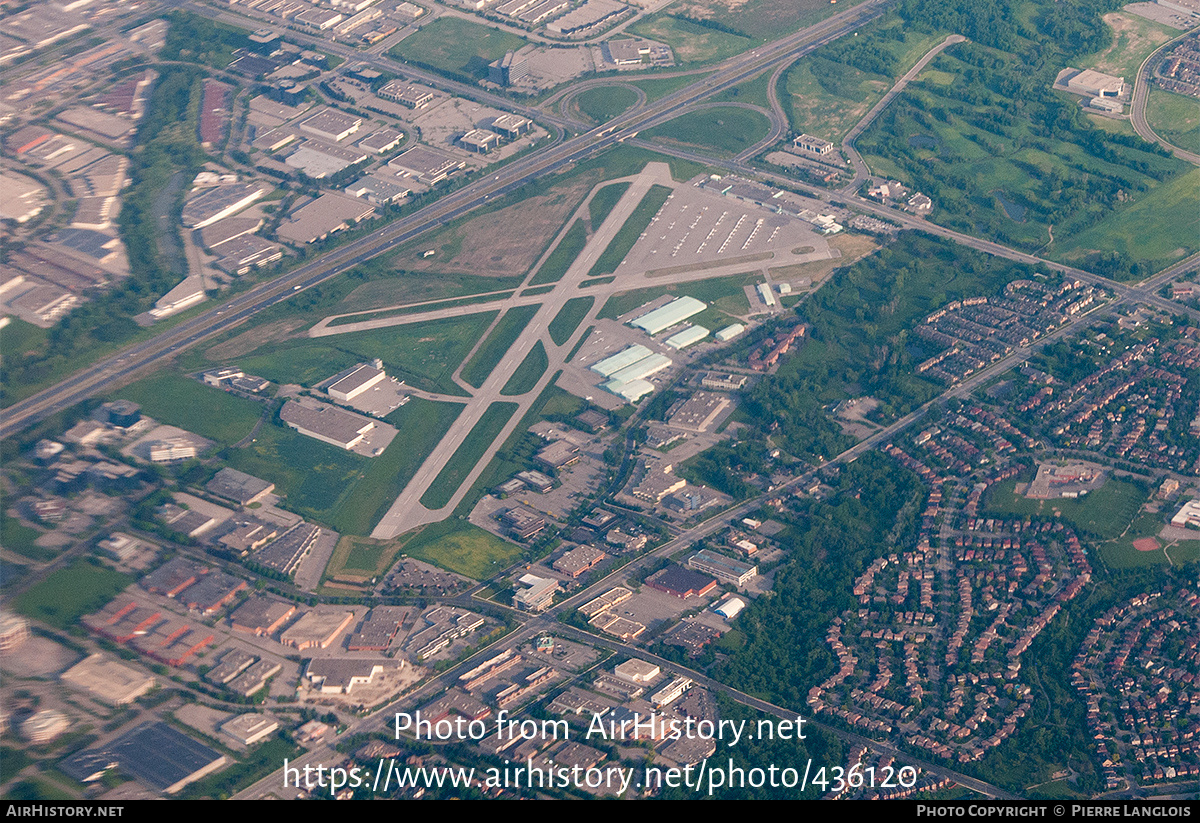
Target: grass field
(349,319)
(603,202)
(721,293)
(421,424)
(1106,513)
(624,239)
(503,335)
(525,378)
(17,537)
(726,130)
(1158,229)
(692,43)
(754,91)
(462,548)
(189,404)
(424,355)
(400,286)
(1134,38)
(1175,118)
(603,103)
(569,317)
(656,89)
(563,256)
(70,593)
(452,475)
(359,559)
(457,47)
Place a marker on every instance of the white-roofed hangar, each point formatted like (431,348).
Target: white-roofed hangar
(669,315)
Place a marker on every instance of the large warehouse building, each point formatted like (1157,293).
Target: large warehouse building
(674,312)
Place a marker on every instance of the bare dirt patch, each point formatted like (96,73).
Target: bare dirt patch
(252,339)
(1146,544)
(506,242)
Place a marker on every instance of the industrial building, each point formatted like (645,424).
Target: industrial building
(318,628)
(426,165)
(214,204)
(108,680)
(730,607)
(627,357)
(729,332)
(669,315)
(327,214)
(1096,84)
(326,423)
(687,337)
(239,487)
(353,382)
(331,124)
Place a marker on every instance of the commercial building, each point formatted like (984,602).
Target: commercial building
(637,671)
(1096,84)
(579,560)
(381,141)
(261,616)
(697,412)
(340,676)
(535,593)
(669,315)
(725,382)
(813,145)
(406,94)
(679,582)
(425,164)
(321,160)
(725,569)
(480,141)
(248,729)
(511,126)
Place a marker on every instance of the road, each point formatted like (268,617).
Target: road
(861,172)
(1141,93)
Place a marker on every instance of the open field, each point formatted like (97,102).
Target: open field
(462,548)
(603,103)
(1175,118)
(70,593)
(754,91)
(526,375)
(358,317)
(423,355)
(759,19)
(568,318)
(457,47)
(563,256)
(663,86)
(827,93)
(628,234)
(504,241)
(727,130)
(1119,553)
(314,478)
(691,42)
(603,202)
(1156,230)
(1134,39)
(460,464)
(503,335)
(420,424)
(189,404)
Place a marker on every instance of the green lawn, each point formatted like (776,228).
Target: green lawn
(569,317)
(361,558)
(661,87)
(604,201)
(452,475)
(525,378)
(70,593)
(624,239)
(563,256)
(463,548)
(17,537)
(189,404)
(457,47)
(754,91)
(727,130)
(1175,118)
(603,103)
(421,424)
(424,355)
(501,339)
